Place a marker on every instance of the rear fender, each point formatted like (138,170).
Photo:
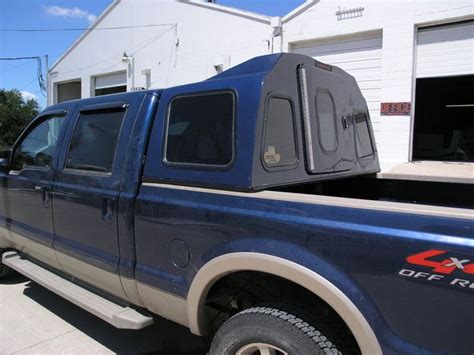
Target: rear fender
(303,276)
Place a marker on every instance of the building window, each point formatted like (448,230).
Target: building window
(68,91)
(326,121)
(201,130)
(363,141)
(110,84)
(279,148)
(94,140)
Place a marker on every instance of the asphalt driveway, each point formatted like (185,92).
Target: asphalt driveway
(34,320)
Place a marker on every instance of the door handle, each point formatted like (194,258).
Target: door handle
(45,195)
(107,210)
(346,121)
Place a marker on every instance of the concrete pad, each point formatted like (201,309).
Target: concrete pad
(34,320)
(456,172)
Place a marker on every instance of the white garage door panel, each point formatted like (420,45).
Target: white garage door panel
(445,61)
(111,80)
(343,46)
(369,84)
(446,70)
(366,66)
(360,57)
(446,50)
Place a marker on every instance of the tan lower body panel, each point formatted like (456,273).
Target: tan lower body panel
(122,288)
(164,304)
(161,303)
(93,275)
(37,250)
(6,238)
(130,287)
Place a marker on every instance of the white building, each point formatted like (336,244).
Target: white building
(162,43)
(414,61)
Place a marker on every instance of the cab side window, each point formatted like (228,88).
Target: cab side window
(38,147)
(94,140)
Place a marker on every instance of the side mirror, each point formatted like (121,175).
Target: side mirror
(5,160)
(4,164)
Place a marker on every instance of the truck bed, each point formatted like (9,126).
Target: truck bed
(445,194)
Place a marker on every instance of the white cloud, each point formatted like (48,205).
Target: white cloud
(28,96)
(73,12)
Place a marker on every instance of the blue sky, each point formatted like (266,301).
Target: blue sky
(47,14)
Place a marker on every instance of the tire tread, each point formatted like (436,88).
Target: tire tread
(303,330)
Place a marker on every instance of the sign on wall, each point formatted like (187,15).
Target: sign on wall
(395,108)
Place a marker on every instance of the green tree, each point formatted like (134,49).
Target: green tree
(15,114)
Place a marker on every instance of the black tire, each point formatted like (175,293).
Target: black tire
(277,328)
(5,271)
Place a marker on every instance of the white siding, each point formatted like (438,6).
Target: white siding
(445,50)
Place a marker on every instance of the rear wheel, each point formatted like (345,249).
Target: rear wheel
(269,331)
(5,271)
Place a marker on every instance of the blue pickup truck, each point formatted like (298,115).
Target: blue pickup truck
(246,207)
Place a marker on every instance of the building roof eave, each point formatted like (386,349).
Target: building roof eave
(230,10)
(85,33)
(299,10)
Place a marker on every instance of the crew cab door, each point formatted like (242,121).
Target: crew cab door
(327,118)
(27,185)
(87,188)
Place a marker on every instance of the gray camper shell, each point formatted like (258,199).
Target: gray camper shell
(313,123)
(295,121)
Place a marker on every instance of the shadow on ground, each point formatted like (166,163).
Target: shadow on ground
(14,279)
(161,338)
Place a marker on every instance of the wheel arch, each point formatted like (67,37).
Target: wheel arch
(226,264)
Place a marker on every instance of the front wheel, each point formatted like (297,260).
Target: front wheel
(269,331)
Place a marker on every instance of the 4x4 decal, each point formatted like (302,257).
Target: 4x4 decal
(440,267)
(445,266)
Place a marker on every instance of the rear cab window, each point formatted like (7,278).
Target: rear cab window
(200,131)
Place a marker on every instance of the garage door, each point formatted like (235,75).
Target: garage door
(111,83)
(360,56)
(444,103)
(68,91)
(445,50)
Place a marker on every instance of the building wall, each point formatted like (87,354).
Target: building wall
(184,49)
(193,38)
(398,21)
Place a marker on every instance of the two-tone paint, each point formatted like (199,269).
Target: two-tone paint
(159,236)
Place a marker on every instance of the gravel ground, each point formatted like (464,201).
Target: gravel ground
(34,320)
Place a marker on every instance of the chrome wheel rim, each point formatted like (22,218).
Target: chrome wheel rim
(260,349)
